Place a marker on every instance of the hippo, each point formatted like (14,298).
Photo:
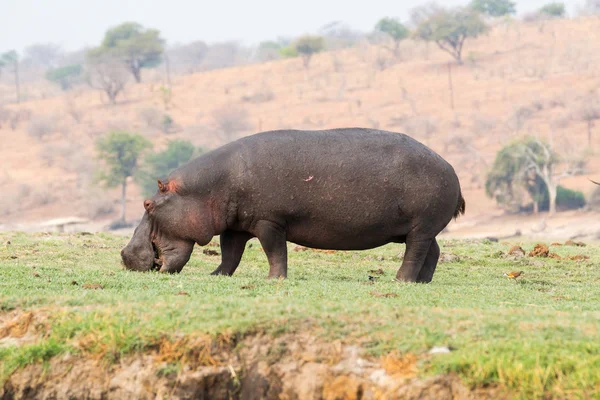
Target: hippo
(338,189)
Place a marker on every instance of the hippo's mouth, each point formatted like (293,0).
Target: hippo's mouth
(158,257)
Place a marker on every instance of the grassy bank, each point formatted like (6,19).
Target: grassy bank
(535,337)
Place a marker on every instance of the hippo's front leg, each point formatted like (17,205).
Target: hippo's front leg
(272,237)
(233,245)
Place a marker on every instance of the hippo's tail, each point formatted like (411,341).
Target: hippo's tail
(460,206)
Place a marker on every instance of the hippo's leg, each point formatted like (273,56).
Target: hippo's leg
(233,245)
(426,274)
(272,237)
(414,258)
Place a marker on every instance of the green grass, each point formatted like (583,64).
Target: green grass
(537,337)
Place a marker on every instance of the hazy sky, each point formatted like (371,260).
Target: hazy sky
(76,23)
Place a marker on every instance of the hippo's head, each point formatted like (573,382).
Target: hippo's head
(165,237)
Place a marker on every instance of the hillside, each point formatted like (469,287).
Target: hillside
(519,79)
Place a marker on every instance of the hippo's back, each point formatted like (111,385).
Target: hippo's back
(359,187)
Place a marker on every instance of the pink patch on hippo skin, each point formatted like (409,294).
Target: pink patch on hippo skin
(308,179)
(173,186)
(170,186)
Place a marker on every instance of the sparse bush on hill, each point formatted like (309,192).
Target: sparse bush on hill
(268,50)
(159,165)
(307,46)
(45,55)
(494,8)
(261,95)
(339,35)
(555,9)
(151,116)
(188,58)
(483,125)
(65,77)
(41,126)
(223,55)
(230,121)
(106,73)
(449,28)
(395,29)
(167,123)
(589,112)
(548,11)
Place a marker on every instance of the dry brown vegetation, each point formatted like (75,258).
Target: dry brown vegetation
(536,78)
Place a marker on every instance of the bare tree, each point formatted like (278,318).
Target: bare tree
(541,162)
(107,74)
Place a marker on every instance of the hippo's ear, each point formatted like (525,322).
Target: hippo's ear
(162,187)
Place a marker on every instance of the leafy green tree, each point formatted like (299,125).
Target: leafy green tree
(553,10)
(449,28)
(66,76)
(494,8)
(137,47)
(11,58)
(308,45)
(120,152)
(158,165)
(394,29)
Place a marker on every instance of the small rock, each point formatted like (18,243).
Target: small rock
(516,251)
(440,350)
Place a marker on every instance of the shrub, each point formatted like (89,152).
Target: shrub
(566,199)
(41,126)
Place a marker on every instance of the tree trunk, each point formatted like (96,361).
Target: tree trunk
(136,70)
(450,86)
(168,68)
(123,199)
(552,190)
(17,85)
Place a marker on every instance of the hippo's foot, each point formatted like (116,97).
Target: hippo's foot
(223,271)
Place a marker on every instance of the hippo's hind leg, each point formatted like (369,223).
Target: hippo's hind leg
(233,245)
(417,251)
(426,273)
(272,237)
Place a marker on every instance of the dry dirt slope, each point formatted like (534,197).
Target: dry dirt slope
(518,79)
